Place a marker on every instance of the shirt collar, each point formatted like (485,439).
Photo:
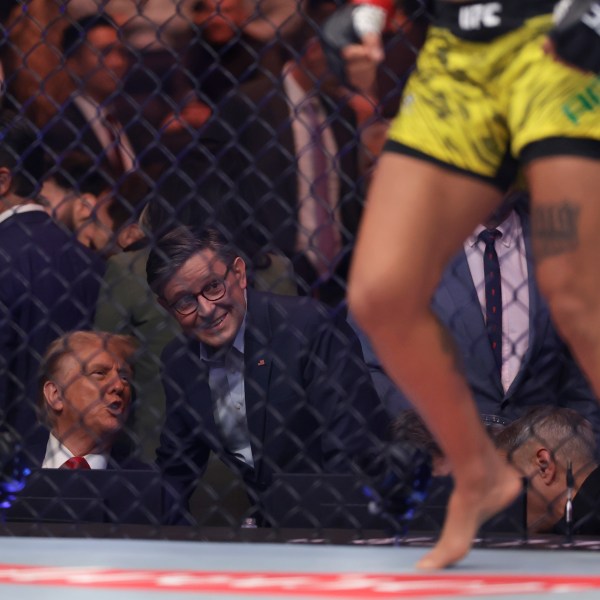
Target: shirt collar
(57,455)
(89,107)
(508,228)
(21,208)
(295,95)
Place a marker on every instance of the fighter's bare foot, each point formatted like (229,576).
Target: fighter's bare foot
(472,503)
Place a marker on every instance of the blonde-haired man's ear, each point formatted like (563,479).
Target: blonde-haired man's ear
(53,396)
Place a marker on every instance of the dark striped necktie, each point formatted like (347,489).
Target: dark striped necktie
(493,292)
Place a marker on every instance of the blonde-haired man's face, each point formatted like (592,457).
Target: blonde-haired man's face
(90,394)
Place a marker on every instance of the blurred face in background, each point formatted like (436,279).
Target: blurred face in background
(220,21)
(68,207)
(100,63)
(100,232)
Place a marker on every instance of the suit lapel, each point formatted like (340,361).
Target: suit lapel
(463,315)
(257,363)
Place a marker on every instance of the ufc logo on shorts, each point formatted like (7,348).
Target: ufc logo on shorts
(478,16)
(592,18)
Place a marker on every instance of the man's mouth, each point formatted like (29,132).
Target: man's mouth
(215,324)
(116,408)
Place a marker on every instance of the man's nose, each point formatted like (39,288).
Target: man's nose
(205,307)
(118,384)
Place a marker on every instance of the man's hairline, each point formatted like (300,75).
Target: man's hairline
(161,288)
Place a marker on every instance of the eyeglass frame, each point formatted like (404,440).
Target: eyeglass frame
(222,281)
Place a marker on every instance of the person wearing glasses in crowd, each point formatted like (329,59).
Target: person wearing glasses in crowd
(269,383)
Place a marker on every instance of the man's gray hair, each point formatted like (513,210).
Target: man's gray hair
(563,431)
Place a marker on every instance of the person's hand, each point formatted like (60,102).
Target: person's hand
(194,114)
(575,39)
(361,62)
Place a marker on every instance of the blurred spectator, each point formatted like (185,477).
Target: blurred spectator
(541,445)
(112,226)
(71,189)
(85,393)
(147,24)
(268,383)
(536,365)
(274,18)
(221,55)
(48,281)
(96,61)
(302,158)
(29,53)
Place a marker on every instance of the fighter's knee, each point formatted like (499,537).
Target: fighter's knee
(375,302)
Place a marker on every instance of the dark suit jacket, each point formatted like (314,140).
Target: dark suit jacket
(257,124)
(116,460)
(70,131)
(310,402)
(49,285)
(548,374)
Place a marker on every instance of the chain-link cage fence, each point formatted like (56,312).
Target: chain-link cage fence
(165,168)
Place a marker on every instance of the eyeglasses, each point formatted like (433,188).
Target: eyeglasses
(215,290)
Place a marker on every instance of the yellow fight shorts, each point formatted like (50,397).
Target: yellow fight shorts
(479,107)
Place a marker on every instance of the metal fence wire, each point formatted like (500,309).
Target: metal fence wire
(181,183)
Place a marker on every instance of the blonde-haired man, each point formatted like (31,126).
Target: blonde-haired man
(85,393)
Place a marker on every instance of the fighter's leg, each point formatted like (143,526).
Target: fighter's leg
(416,218)
(566,236)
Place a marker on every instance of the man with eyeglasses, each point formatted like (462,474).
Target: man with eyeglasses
(269,383)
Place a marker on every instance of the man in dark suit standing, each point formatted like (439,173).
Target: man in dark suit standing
(299,143)
(49,283)
(535,366)
(269,383)
(96,61)
(85,389)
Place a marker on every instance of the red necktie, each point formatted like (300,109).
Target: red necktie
(77,462)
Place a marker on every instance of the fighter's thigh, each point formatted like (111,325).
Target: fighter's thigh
(565,193)
(416,217)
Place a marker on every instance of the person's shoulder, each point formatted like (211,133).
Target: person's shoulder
(179,348)
(129,262)
(35,226)
(293,309)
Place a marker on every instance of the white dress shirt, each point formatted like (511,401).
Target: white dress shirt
(515,291)
(226,381)
(96,115)
(57,455)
